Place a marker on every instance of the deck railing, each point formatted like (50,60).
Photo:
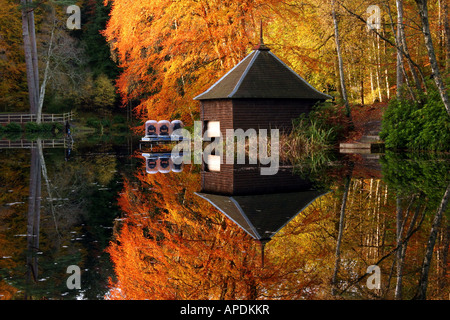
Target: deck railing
(29,144)
(24,118)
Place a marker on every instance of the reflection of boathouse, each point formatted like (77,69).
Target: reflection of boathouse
(261,92)
(260,205)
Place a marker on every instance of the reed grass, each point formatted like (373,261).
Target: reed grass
(307,140)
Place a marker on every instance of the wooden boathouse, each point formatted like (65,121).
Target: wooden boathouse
(260,92)
(260,205)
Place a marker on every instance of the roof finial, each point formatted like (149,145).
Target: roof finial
(261,40)
(261,45)
(263,243)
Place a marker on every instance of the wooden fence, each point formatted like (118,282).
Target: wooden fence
(24,118)
(28,144)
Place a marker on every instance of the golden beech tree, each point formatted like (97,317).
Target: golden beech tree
(172,50)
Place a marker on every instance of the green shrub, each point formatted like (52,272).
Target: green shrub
(121,127)
(324,126)
(119,119)
(409,173)
(46,127)
(327,117)
(33,136)
(43,127)
(105,122)
(313,136)
(93,123)
(32,127)
(13,127)
(58,127)
(12,135)
(413,126)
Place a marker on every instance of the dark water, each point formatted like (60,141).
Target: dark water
(77,199)
(145,229)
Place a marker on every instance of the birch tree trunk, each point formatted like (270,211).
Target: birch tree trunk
(402,242)
(339,237)
(446,29)
(44,81)
(423,10)
(402,48)
(402,39)
(399,42)
(398,286)
(376,49)
(340,62)
(47,183)
(423,282)
(386,67)
(28,49)
(32,30)
(33,217)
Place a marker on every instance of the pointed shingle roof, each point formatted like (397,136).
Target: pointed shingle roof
(261,74)
(262,216)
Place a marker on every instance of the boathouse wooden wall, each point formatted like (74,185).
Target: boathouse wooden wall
(255,113)
(245,179)
(269,113)
(218,110)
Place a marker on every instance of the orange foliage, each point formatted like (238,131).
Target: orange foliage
(182,250)
(171,51)
(7,292)
(175,245)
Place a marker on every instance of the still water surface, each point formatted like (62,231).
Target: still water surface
(142,228)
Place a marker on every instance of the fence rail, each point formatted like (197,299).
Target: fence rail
(24,118)
(28,144)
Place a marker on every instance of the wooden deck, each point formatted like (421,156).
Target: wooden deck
(365,145)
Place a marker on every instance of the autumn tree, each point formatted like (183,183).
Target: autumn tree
(443,92)
(171,51)
(169,56)
(13,88)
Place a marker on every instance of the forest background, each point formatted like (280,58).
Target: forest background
(154,57)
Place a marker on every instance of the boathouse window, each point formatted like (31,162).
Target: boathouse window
(213,163)
(213,129)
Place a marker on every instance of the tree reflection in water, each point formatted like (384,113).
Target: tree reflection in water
(198,234)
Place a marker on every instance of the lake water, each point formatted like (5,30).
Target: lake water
(143,228)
